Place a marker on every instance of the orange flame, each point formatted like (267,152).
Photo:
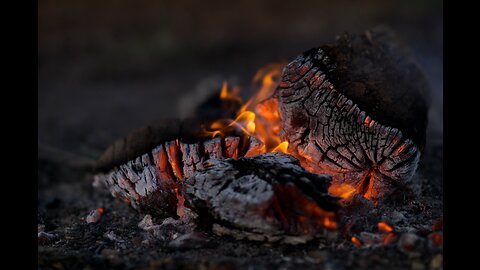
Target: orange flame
(229,95)
(269,76)
(100,210)
(385,227)
(342,190)
(259,116)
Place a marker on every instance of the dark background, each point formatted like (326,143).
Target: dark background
(105,67)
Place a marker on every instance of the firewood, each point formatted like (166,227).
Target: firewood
(151,182)
(267,197)
(357,110)
(143,140)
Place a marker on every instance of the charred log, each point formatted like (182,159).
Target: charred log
(144,139)
(356,109)
(152,181)
(266,197)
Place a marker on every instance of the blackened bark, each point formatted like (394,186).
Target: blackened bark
(144,139)
(152,181)
(356,109)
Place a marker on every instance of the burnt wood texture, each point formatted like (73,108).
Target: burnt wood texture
(357,110)
(266,197)
(151,182)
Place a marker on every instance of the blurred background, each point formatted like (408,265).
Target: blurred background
(106,67)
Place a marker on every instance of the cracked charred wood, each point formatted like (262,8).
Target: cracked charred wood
(357,110)
(144,139)
(149,177)
(267,197)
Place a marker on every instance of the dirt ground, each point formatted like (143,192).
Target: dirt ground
(106,68)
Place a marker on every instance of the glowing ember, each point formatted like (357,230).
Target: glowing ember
(356,241)
(342,190)
(384,227)
(436,239)
(100,210)
(438,225)
(180,204)
(327,220)
(390,238)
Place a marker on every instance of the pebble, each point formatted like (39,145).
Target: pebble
(94,215)
(417,266)
(109,253)
(397,217)
(146,223)
(188,241)
(368,238)
(409,242)
(315,256)
(437,262)
(46,238)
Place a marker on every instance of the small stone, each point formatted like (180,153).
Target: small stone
(397,217)
(315,256)
(111,236)
(417,266)
(98,181)
(409,242)
(137,241)
(58,266)
(46,238)
(437,262)
(109,253)
(94,215)
(146,223)
(286,259)
(299,260)
(370,238)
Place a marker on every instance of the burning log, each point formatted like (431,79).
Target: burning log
(264,197)
(267,197)
(151,181)
(356,109)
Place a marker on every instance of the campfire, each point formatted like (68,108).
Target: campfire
(326,140)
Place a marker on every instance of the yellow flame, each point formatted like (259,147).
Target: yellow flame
(282,147)
(258,116)
(230,95)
